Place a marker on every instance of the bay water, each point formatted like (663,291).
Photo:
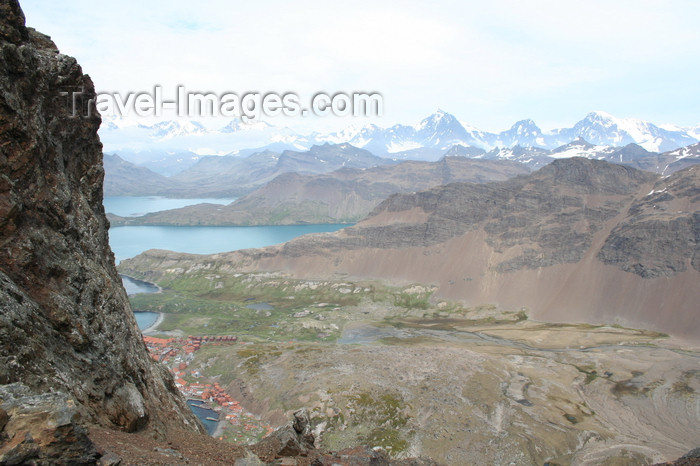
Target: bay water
(129,241)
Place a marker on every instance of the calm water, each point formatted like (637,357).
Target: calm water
(133,286)
(145,319)
(260,307)
(128,206)
(130,241)
(203,413)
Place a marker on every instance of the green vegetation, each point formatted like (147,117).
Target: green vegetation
(226,364)
(274,307)
(627,387)
(286,358)
(412,300)
(682,387)
(589,370)
(387,413)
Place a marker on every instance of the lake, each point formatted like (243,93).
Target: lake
(129,241)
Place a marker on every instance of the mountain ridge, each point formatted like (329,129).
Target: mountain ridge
(343,196)
(226,176)
(555,241)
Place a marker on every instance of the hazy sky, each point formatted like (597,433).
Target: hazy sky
(489,63)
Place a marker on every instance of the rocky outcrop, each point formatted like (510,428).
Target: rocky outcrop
(692,458)
(661,230)
(295,440)
(292,439)
(65,322)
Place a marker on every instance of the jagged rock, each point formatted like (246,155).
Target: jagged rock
(661,230)
(65,321)
(249,460)
(21,449)
(293,439)
(109,458)
(692,454)
(43,428)
(363,455)
(3,419)
(169,452)
(297,440)
(692,458)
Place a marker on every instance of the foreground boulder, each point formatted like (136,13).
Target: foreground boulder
(42,429)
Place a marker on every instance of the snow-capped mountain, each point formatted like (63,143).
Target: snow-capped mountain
(604,129)
(533,157)
(524,133)
(579,147)
(442,130)
(176,128)
(692,151)
(239,125)
(428,139)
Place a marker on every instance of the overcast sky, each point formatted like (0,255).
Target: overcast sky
(489,63)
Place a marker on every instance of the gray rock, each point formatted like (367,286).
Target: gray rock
(109,458)
(249,460)
(293,439)
(43,428)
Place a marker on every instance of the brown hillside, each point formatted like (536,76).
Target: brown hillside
(579,240)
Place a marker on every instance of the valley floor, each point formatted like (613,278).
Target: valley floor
(392,367)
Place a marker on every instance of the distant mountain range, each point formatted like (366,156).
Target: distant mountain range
(171,146)
(342,196)
(234,176)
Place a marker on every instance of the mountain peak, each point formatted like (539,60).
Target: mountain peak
(579,141)
(525,122)
(600,115)
(525,127)
(439,116)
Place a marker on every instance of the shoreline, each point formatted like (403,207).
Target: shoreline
(154,326)
(219,431)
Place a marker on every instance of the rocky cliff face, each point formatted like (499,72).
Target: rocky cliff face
(660,233)
(65,321)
